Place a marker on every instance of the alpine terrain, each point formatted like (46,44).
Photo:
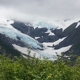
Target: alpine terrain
(42,39)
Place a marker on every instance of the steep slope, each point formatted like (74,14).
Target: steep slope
(38,33)
(55,40)
(9,31)
(6,47)
(42,38)
(73,38)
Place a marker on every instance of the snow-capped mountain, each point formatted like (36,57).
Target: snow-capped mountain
(45,39)
(55,24)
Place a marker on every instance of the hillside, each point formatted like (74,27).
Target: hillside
(42,38)
(35,69)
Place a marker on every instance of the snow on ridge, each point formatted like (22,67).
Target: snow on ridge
(43,25)
(53,43)
(64,24)
(50,33)
(50,53)
(37,37)
(58,41)
(54,24)
(78,24)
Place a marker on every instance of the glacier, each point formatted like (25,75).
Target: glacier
(9,31)
(44,25)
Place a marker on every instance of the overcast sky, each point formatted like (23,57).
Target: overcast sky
(27,10)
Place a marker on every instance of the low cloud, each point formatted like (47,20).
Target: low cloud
(34,10)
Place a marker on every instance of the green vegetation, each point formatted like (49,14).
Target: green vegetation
(35,69)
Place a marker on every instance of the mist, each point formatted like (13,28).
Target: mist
(39,10)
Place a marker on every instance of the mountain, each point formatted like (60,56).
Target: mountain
(73,38)
(45,39)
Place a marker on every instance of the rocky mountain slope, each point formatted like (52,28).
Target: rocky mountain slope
(43,38)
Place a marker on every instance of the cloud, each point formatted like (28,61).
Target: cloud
(32,10)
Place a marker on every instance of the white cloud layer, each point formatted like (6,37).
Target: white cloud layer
(32,10)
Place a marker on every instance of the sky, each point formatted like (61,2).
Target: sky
(43,10)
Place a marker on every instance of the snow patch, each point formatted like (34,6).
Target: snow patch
(53,43)
(25,50)
(50,52)
(78,24)
(50,33)
(37,37)
(58,41)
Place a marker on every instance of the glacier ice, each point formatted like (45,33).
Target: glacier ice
(44,25)
(12,33)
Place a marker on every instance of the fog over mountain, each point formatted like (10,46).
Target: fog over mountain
(46,10)
(54,26)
